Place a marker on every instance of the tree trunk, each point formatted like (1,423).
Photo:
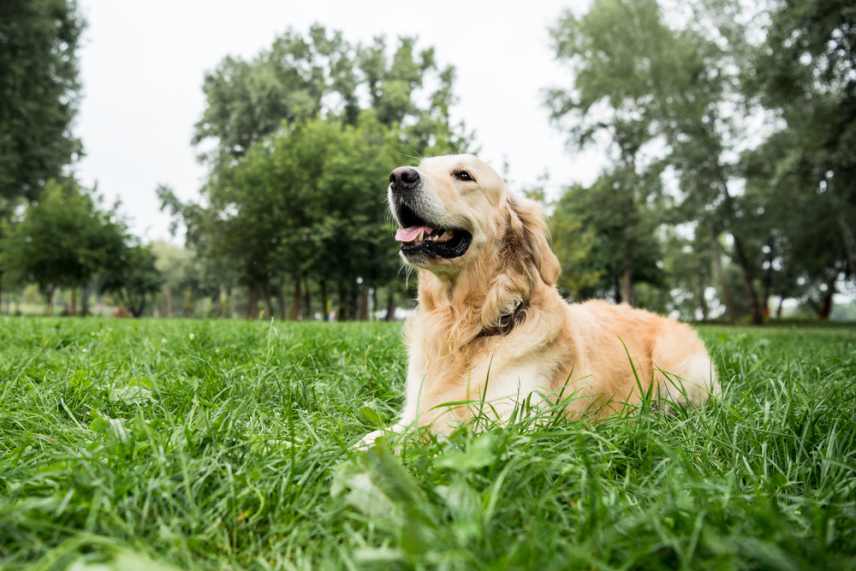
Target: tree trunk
(325,309)
(220,302)
(296,300)
(167,294)
(390,304)
(779,307)
(627,287)
(84,301)
(748,280)
(363,304)
(826,303)
(307,301)
(49,295)
(188,302)
(702,300)
(342,309)
(137,309)
(268,302)
(849,242)
(353,300)
(768,280)
(826,306)
(617,285)
(226,298)
(280,301)
(72,306)
(252,302)
(719,276)
(743,260)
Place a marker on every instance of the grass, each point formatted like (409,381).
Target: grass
(227,445)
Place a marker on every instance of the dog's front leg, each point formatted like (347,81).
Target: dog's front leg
(412,395)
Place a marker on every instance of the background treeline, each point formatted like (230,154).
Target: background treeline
(729,186)
(732,141)
(299,142)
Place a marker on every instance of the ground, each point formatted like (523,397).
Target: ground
(228,445)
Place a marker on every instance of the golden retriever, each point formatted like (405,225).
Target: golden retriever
(491,326)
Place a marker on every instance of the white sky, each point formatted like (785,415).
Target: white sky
(143,64)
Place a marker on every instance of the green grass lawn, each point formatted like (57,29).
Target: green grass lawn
(227,445)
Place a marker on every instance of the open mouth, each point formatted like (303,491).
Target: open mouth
(419,237)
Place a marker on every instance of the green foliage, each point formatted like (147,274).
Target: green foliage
(603,234)
(397,89)
(301,77)
(247,100)
(63,240)
(227,445)
(680,96)
(573,242)
(39,92)
(806,70)
(132,277)
(688,270)
(308,202)
(611,97)
(306,134)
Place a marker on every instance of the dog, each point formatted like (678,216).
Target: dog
(492,328)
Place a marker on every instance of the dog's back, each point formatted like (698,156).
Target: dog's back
(609,337)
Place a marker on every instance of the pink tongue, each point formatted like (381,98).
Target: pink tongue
(410,234)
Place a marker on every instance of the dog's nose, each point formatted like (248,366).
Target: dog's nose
(404,178)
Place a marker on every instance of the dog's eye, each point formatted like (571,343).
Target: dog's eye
(463,175)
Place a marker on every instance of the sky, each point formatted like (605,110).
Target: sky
(143,63)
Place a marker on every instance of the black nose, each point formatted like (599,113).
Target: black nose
(404,178)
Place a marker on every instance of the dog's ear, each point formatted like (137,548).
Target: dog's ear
(528,223)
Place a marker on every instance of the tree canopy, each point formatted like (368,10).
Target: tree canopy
(676,100)
(727,127)
(300,139)
(63,240)
(39,94)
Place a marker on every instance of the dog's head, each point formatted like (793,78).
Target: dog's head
(455,211)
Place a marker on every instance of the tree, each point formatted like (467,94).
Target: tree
(132,278)
(667,86)
(304,137)
(573,243)
(356,250)
(39,93)
(608,100)
(63,240)
(605,239)
(309,202)
(805,69)
(688,270)
(248,100)
(398,87)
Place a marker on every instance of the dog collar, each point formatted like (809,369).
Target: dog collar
(507,321)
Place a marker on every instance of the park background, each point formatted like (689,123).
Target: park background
(694,158)
(228,162)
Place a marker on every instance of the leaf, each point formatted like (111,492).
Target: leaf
(123,560)
(478,454)
(371,417)
(465,505)
(381,488)
(112,426)
(131,395)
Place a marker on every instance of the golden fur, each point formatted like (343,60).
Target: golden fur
(578,349)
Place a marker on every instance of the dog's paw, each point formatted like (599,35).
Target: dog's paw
(368,440)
